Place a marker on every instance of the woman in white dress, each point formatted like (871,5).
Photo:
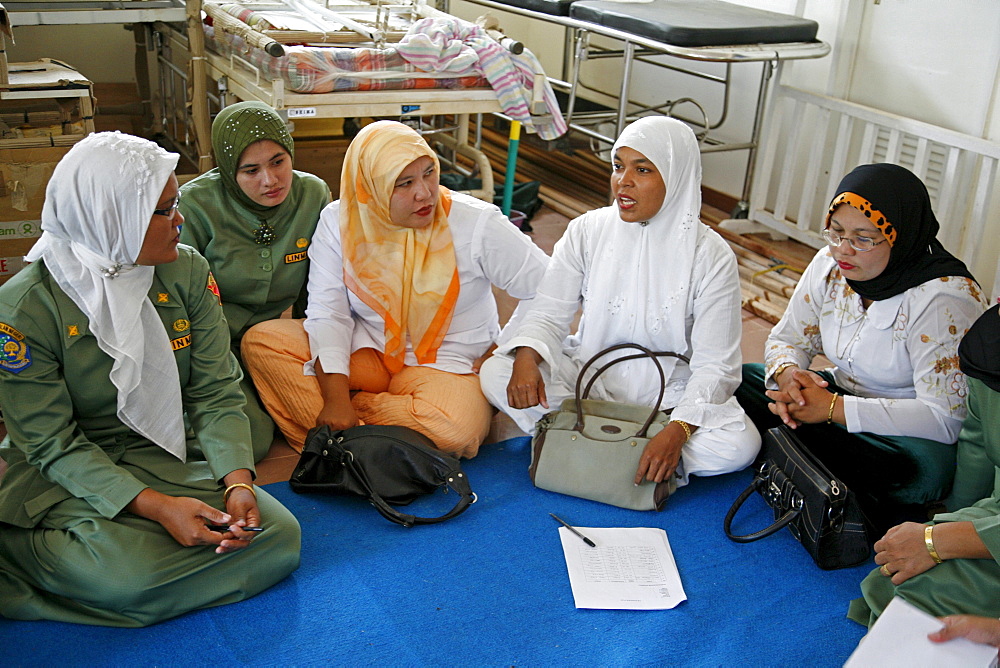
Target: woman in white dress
(645,271)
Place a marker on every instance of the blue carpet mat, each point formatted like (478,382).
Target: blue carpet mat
(490,588)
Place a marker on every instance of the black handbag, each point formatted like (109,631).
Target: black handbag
(816,507)
(382,463)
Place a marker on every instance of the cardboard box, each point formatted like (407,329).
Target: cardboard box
(324,158)
(24,173)
(45,103)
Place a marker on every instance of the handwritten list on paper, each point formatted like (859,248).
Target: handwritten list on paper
(630,569)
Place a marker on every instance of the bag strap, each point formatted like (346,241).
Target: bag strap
(457,482)
(621,346)
(760,481)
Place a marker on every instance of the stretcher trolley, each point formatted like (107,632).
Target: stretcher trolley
(405,60)
(670,35)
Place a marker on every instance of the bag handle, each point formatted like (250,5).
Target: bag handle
(760,481)
(457,482)
(645,352)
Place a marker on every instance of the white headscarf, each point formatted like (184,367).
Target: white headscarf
(673,150)
(97,209)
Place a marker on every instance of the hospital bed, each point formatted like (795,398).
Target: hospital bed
(308,60)
(702,39)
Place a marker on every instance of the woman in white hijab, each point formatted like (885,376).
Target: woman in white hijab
(110,513)
(646,271)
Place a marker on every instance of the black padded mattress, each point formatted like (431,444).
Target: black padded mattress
(693,23)
(553,7)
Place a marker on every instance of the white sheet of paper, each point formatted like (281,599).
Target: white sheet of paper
(630,569)
(898,639)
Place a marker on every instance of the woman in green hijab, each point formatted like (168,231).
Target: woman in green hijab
(253,218)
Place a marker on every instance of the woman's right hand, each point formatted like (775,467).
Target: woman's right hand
(185,518)
(337,415)
(526,387)
(792,379)
(793,382)
(984,630)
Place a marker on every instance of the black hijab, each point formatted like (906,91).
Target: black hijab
(897,203)
(979,351)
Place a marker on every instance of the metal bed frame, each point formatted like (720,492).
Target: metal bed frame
(188,117)
(636,48)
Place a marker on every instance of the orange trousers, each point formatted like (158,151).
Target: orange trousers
(448,408)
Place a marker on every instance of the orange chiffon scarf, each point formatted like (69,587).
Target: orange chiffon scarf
(408,276)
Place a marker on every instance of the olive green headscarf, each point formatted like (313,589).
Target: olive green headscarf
(234,129)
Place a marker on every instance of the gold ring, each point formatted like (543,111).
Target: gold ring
(885,571)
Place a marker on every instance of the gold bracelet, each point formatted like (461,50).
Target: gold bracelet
(686,427)
(929,542)
(833,404)
(229,490)
(777,372)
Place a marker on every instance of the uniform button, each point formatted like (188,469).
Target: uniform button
(265,252)
(266,266)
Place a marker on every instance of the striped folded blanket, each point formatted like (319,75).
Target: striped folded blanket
(451,45)
(307,69)
(434,53)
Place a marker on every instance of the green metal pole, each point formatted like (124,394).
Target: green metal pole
(508,179)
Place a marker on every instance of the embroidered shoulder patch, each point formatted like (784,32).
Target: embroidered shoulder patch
(15,354)
(213,287)
(182,342)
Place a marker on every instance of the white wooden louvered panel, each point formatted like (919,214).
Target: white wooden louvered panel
(811,141)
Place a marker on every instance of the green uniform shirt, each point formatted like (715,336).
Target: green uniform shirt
(65,438)
(257,282)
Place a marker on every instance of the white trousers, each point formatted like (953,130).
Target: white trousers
(707,452)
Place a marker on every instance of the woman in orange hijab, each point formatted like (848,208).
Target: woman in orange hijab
(401,308)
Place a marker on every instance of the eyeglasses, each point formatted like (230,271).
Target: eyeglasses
(860,244)
(169,211)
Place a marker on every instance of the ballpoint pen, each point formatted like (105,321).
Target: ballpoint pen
(573,529)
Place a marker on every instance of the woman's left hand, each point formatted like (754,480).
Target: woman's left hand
(903,553)
(478,364)
(663,452)
(242,507)
(816,407)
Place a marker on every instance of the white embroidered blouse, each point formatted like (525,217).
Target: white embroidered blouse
(899,356)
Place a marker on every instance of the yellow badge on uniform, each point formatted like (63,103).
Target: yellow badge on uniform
(15,354)
(162,298)
(296,257)
(182,342)
(213,287)
(72,330)
(302,242)
(181,325)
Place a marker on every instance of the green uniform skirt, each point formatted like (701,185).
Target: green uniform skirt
(78,566)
